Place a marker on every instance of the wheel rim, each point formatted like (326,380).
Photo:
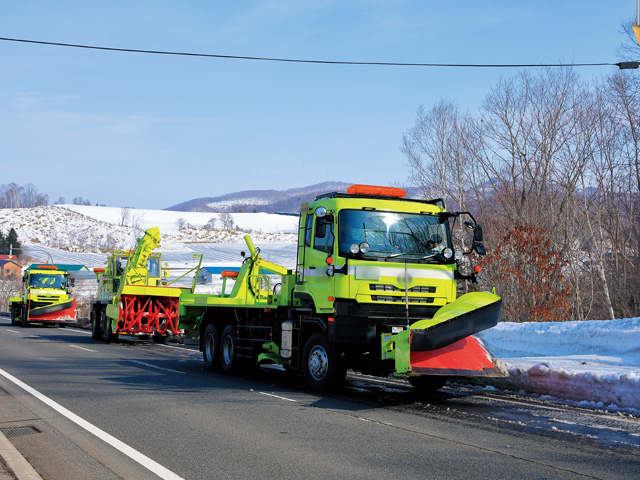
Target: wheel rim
(227,349)
(318,363)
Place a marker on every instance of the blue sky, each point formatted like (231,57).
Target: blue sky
(150,131)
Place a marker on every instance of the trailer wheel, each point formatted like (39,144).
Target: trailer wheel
(322,363)
(14,315)
(427,384)
(96,333)
(105,325)
(229,350)
(210,346)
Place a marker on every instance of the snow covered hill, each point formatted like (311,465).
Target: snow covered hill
(87,229)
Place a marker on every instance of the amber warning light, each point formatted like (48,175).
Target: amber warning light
(375,190)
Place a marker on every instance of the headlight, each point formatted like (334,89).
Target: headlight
(447,253)
(354,248)
(364,247)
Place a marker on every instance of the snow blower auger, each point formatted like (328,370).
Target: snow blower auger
(134,296)
(45,297)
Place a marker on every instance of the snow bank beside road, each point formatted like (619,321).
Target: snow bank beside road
(594,362)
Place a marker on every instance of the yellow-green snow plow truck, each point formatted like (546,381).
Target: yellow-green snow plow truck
(45,298)
(374,290)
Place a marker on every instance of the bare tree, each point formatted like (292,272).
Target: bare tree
(211,224)
(226,219)
(125,215)
(181,223)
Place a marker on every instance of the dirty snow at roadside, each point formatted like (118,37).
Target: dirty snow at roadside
(593,363)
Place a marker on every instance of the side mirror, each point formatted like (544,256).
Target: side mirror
(477,244)
(73,282)
(321,227)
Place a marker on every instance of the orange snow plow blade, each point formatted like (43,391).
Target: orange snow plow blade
(466,357)
(58,313)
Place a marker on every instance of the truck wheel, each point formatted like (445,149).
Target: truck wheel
(322,363)
(427,384)
(105,325)
(210,346)
(229,350)
(14,316)
(162,339)
(96,333)
(23,318)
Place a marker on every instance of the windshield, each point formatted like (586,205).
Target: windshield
(153,267)
(43,280)
(392,234)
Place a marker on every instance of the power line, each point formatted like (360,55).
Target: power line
(622,65)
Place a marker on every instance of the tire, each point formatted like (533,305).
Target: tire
(210,347)
(105,325)
(161,339)
(14,316)
(23,317)
(427,384)
(61,325)
(229,361)
(322,364)
(96,333)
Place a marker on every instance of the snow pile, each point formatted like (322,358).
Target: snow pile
(594,363)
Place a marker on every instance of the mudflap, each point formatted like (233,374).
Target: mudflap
(64,312)
(469,314)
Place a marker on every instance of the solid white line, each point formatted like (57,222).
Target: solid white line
(157,367)
(82,348)
(130,452)
(13,331)
(278,396)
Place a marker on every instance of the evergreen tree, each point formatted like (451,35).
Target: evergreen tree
(10,240)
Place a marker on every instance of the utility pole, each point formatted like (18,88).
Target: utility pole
(636,24)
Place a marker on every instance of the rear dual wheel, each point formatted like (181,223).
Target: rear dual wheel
(105,326)
(210,346)
(96,333)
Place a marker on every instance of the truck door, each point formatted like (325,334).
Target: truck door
(319,245)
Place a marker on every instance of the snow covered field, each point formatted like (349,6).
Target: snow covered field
(594,364)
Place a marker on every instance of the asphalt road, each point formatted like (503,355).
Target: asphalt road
(136,411)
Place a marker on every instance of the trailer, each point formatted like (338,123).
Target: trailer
(374,290)
(45,298)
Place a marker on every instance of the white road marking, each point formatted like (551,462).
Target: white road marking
(82,348)
(157,367)
(79,330)
(278,396)
(12,331)
(130,452)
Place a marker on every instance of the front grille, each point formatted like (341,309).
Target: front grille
(390,299)
(392,288)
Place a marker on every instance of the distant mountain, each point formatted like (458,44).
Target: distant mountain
(269,201)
